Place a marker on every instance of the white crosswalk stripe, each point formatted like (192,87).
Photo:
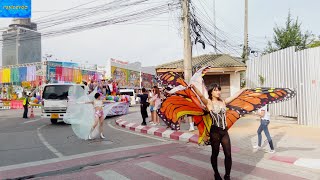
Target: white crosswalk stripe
(163,171)
(109,174)
(206,165)
(269,164)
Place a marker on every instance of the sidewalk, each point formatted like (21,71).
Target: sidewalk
(294,144)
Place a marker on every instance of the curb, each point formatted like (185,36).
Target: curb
(160,132)
(193,138)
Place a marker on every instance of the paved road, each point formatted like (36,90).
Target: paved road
(37,139)
(35,149)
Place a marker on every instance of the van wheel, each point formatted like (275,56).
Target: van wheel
(54,121)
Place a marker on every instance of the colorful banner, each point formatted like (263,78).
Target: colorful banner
(14,75)
(6,75)
(31,73)
(22,74)
(154,80)
(51,70)
(1,74)
(133,79)
(70,64)
(56,72)
(120,76)
(146,80)
(116,108)
(77,76)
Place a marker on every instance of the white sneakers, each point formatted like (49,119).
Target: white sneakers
(270,151)
(154,124)
(257,147)
(191,127)
(102,136)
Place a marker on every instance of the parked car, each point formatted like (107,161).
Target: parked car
(132,95)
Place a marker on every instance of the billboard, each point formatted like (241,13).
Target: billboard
(120,75)
(133,79)
(146,80)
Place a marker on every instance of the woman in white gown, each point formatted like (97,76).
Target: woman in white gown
(82,113)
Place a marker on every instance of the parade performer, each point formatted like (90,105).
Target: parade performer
(212,115)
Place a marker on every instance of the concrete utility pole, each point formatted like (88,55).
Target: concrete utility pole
(214,23)
(187,63)
(245,43)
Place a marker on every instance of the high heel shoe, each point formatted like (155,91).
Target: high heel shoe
(226,177)
(102,136)
(217,177)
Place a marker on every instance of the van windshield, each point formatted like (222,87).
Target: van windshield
(56,92)
(127,93)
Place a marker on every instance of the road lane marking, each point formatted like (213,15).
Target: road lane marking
(109,174)
(43,140)
(31,121)
(83,155)
(208,166)
(163,171)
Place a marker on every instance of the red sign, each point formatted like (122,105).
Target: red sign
(118,61)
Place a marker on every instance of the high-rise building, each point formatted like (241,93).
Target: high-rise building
(21,43)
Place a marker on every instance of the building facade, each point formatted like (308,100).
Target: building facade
(21,43)
(225,71)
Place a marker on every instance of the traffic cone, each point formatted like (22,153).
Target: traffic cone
(31,115)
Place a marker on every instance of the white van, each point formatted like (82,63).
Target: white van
(55,101)
(131,93)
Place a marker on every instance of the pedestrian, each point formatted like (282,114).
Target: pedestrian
(92,86)
(157,104)
(104,87)
(86,88)
(151,103)
(110,86)
(25,105)
(99,116)
(218,131)
(264,115)
(144,105)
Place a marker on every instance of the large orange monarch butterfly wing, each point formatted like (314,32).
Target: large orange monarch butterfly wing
(248,101)
(172,78)
(253,99)
(181,103)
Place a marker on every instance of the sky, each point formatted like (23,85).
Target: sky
(159,40)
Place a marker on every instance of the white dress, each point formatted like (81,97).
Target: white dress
(79,114)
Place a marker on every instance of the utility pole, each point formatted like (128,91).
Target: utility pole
(245,43)
(187,58)
(214,24)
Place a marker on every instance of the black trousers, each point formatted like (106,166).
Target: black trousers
(144,113)
(25,112)
(220,136)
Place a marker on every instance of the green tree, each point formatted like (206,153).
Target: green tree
(289,35)
(315,43)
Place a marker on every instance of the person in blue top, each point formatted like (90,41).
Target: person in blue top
(25,105)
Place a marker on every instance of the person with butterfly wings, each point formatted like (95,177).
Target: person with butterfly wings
(218,130)
(213,116)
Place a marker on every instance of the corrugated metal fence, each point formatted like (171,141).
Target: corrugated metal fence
(298,70)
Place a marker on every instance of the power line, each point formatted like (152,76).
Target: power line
(136,16)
